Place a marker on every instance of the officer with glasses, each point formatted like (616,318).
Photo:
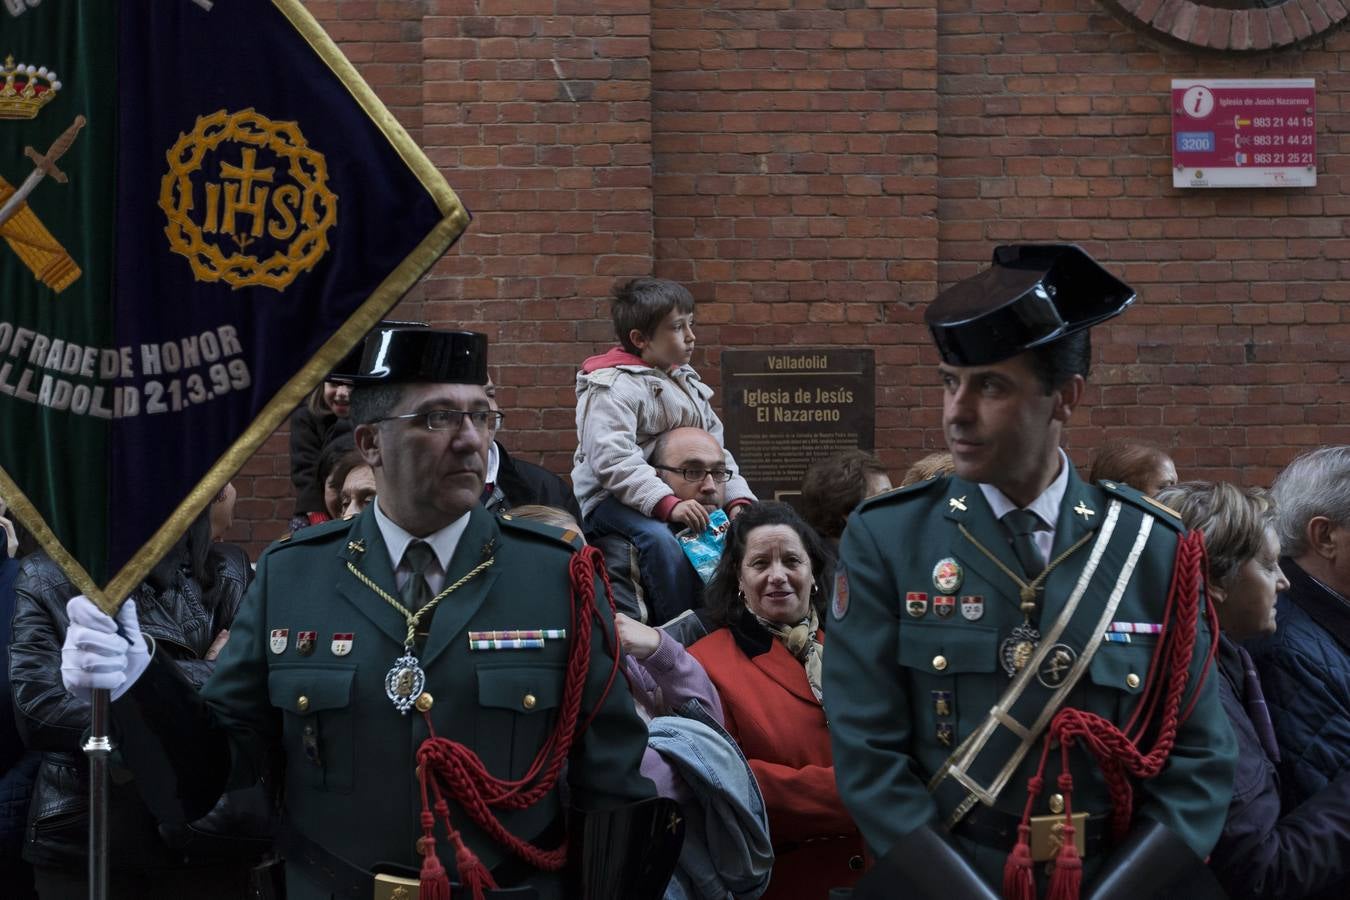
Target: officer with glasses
(421,672)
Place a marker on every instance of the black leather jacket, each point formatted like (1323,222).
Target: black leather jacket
(183,620)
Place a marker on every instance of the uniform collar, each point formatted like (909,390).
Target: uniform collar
(1046,506)
(442,542)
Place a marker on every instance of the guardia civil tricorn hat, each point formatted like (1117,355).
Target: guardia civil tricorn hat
(1032,295)
(345,371)
(401,355)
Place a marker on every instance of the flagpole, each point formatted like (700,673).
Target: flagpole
(98,747)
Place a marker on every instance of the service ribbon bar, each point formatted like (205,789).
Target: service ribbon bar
(507,644)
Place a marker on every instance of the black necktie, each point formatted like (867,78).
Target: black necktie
(416,592)
(1022,524)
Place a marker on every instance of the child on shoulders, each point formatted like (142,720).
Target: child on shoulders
(626,398)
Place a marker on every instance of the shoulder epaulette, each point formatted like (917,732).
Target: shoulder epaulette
(908,490)
(568,537)
(312,533)
(1159,511)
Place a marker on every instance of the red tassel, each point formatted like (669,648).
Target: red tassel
(435,884)
(1019,883)
(1067,878)
(472,873)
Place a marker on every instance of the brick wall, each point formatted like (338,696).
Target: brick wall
(815,170)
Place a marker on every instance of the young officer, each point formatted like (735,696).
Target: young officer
(414,733)
(973,608)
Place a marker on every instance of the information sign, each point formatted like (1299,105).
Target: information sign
(1244,133)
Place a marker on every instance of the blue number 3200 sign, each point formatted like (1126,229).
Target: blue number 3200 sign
(1195,142)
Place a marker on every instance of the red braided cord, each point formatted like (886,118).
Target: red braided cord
(1117,755)
(468,781)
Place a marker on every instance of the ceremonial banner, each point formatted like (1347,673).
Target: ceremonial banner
(203,207)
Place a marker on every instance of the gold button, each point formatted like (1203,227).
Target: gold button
(939,662)
(1132,681)
(424,701)
(302,703)
(529,701)
(1057,803)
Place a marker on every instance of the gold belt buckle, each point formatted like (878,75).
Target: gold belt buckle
(1047,836)
(391,887)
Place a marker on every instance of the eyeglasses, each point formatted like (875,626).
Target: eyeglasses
(453,419)
(721,476)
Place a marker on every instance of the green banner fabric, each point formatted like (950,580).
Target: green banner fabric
(202,207)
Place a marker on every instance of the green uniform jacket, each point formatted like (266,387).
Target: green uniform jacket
(898,681)
(349,755)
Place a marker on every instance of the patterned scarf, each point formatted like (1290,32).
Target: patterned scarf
(800,641)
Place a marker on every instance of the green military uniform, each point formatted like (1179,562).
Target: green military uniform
(350,756)
(916,662)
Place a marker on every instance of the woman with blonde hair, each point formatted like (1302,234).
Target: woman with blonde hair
(1266,850)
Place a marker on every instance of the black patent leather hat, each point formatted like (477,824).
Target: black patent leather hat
(345,371)
(402,355)
(1032,295)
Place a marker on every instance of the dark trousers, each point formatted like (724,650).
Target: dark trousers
(219,882)
(16,880)
(670,579)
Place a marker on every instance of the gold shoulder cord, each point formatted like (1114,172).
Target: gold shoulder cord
(413,618)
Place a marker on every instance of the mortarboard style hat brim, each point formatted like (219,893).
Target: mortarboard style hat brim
(1032,295)
(405,355)
(345,371)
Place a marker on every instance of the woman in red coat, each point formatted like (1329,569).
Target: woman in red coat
(765,663)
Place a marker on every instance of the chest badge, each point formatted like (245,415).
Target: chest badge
(944,605)
(278,640)
(956,503)
(342,643)
(1083,510)
(304,641)
(947,576)
(972,607)
(916,603)
(1056,665)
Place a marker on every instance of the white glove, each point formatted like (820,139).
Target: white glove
(95,655)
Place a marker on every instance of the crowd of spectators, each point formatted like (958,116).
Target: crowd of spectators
(724,657)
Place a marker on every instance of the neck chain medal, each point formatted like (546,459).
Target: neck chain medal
(1020,645)
(405,680)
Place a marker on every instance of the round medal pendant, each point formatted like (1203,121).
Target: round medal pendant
(947,576)
(404,682)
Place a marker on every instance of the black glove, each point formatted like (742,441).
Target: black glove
(929,867)
(1152,862)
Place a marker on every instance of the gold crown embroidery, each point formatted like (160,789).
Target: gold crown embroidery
(26,89)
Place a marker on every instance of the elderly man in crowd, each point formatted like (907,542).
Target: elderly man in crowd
(1305,665)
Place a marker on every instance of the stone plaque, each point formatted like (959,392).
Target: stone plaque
(784,409)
